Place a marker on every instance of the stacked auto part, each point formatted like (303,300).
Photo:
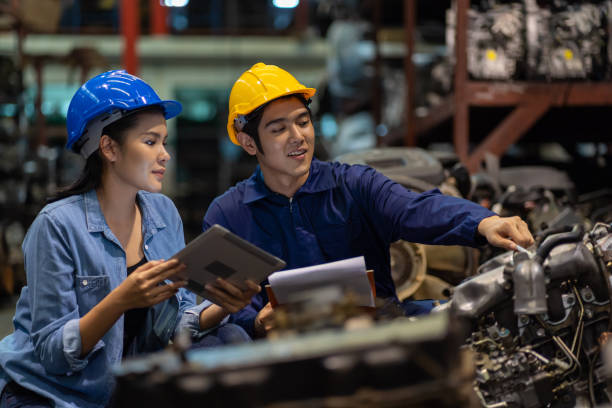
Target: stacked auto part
(535,40)
(496,45)
(567,41)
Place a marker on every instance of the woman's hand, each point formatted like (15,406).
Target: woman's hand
(144,287)
(231,297)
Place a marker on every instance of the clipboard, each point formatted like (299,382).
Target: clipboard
(219,253)
(274,302)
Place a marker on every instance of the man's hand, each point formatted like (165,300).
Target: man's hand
(264,321)
(507,232)
(232,298)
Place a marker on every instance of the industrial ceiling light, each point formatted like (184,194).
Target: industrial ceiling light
(174,3)
(285,3)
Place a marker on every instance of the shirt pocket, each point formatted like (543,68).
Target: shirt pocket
(90,290)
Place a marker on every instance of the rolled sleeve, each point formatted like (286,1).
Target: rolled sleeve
(49,269)
(71,338)
(190,321)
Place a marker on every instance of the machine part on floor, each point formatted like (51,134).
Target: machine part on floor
(402,363)
(451,263)
(540,208)
(408,267)
(536,320)
(402,164)
(433,288)
(596,205)
(529,177)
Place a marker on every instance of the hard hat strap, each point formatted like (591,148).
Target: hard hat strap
(90,139)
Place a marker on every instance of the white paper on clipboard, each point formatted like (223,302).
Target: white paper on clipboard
(349,274)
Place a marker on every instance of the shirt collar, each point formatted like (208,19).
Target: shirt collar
(319,179)
(97,223)
(93,212)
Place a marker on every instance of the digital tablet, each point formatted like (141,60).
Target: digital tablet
(219,253)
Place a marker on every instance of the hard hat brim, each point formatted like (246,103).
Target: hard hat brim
(171,108)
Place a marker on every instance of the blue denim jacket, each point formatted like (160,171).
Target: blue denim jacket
(72,262)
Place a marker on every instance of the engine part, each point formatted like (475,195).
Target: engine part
(411,165)
(536,322)
(401,363)
(529,288)
(408,267)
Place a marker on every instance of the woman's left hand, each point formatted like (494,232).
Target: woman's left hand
(231,297)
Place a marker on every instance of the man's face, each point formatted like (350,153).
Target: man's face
(287,139)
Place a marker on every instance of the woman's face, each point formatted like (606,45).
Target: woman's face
(140,161)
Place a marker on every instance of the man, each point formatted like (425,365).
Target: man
(309,212)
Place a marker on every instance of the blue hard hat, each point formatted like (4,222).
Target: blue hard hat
(104,99)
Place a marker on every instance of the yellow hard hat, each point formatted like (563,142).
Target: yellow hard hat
(257,86)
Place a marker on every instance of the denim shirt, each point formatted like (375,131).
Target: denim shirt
(341,212)
(72,261)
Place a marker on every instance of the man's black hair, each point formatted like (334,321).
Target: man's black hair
(254,118)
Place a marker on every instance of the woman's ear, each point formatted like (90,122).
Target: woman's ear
(247,143)
(108,148)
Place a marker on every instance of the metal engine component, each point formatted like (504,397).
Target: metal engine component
(402,363)
(536,321)
(408,267)
(408,166)
(529,288)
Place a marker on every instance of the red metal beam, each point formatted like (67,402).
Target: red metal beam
(301,17)
(511,129)
(461,124)
(409,23)
(559,94)
(130,30)
(158,18)
(377,85)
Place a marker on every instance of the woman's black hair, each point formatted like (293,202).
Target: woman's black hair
(91,176)
(254,118)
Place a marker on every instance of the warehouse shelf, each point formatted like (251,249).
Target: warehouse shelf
(531,100)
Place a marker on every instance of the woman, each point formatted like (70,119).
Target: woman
(94,256)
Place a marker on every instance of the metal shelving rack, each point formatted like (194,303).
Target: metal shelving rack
(531,100)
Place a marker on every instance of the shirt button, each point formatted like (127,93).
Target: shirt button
(84,282)
(146,247)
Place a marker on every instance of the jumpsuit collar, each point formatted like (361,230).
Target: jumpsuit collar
(320,178)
